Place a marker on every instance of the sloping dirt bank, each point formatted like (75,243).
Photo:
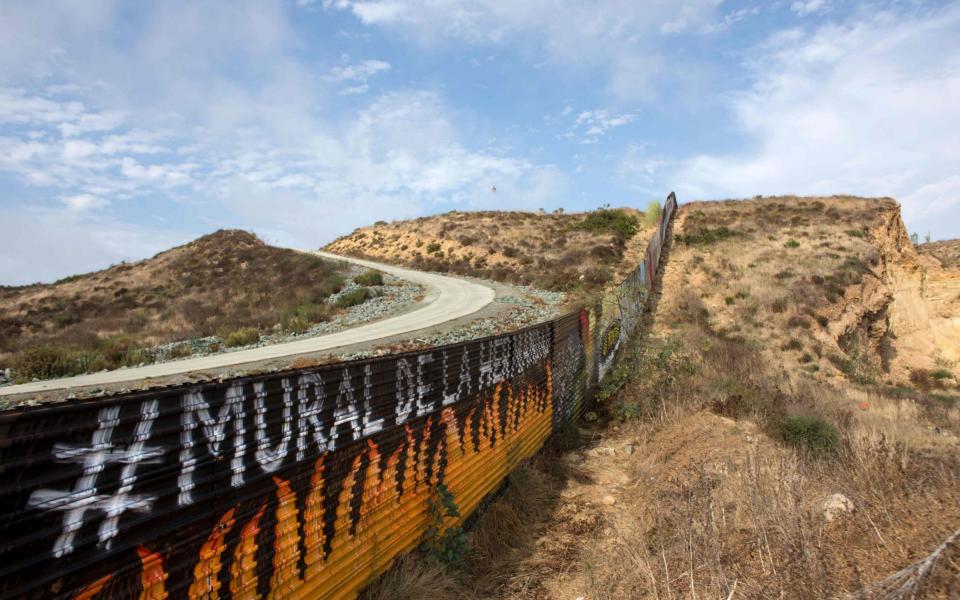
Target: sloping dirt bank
(765,444)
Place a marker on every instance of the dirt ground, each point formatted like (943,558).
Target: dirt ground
(555,251)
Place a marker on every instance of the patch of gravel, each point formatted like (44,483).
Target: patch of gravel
(532,306)
(392,297)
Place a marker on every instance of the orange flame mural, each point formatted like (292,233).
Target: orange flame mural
(392,519)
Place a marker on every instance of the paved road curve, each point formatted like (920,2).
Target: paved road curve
(447,298)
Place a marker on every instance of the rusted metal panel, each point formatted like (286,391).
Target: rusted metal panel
(304,483)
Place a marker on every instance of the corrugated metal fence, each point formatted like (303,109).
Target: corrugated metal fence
(297,484)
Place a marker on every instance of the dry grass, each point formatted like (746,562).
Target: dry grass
(553,251)
(219,283)
(710,501)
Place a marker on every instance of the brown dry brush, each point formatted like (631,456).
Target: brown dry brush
(755,528)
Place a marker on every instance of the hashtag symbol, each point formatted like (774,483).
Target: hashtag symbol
(84,496)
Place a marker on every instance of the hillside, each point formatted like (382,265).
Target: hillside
(228,283)
(780,431)
(554,251)
(947,252)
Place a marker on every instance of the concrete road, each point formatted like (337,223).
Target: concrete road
(447,298)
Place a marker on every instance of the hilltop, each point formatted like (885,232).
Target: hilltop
(787,425)
(228,283)
(554,251)
(947,252)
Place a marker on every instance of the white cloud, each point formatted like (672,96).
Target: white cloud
(81,202)
(866,107)
(806,7)
(593,124)
(621,38)
(357,75)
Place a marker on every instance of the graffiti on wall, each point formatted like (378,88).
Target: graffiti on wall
(299,484)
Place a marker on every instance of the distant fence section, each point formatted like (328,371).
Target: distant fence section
(298,484)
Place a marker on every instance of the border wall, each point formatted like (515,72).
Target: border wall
(305,483)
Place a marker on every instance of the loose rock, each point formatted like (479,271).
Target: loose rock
(836,506)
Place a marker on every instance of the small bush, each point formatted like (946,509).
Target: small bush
(296,324)
(304,315)
(241,337)
(653,212)
(810,432)
(926,380)
(798,321)
(792,244)
(779,305)
(941,374)
(447,545)
(607,220)
(47,362)
(729,300)
(180,351)
(369,278)
(806,358)
(433,247)
(704,235)
(793,344)
(121,350)
(855,233)
(354,297)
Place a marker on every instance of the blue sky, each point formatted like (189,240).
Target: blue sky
(128,127)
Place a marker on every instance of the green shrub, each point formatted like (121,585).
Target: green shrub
(704,235)
(729,300)
(354,297)
(653,212)
(793,344)
(48,362)
(122,350)
(806,358)
(369,278)
(433,247)
(942,374)
(810,432)
(792,244)
(241,337)
(314,312)
(855,233)
(609,220)
(331,285)
(447,545)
